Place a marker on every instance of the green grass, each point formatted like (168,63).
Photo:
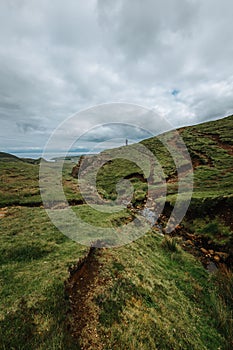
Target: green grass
(35,258)
(155,295)
(214,229)
(20,183)
(213,165)
(101,219)
(212,162)
(159,298)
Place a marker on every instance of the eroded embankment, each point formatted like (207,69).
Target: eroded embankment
(207,250)
(88,279)
(83,315)
(211,254)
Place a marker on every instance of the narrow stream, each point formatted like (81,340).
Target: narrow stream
(151,217)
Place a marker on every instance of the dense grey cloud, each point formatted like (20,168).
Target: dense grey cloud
(57,58)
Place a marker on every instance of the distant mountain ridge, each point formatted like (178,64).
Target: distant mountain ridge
(10,157)
(7,156)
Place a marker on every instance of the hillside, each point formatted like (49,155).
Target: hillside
(8,157)
(148,295)
(210,147)
(154,293)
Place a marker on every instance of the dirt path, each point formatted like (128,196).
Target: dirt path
(82,285)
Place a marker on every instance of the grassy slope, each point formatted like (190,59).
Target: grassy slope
(211,145)
(34,264)
(156,296)
(211,150)
(20,182)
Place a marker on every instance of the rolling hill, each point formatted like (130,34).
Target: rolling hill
(151,294)
(159,292)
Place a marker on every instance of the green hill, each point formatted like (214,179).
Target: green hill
(210,147)
(151,294)
(211,150)
(154,293)
(8,157)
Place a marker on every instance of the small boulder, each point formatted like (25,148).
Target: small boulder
(216,258)
(189,242)
(204,251)
(222,255)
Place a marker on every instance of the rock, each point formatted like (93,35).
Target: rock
(222,255)
(189,242)
(211,267)
(191,236)
(75,171)
(76,168)
(60,206)
(204,251)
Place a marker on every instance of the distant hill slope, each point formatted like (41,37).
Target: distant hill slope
(8,157)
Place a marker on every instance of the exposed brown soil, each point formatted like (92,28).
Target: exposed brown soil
(226,216)
(82,285)
(3,212)
(137,176)
(226,146)
(222,208)
(201,246)
(201,158)
(19,204)
(204,249)
(52,205)
(86,281)
(183,171)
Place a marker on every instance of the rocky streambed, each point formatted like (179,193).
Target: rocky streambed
(212,255)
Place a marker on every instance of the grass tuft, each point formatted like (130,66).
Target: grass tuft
(171,244)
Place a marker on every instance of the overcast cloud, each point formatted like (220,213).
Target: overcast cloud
(57,58)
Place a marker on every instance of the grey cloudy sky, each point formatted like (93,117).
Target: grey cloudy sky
(59,57)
